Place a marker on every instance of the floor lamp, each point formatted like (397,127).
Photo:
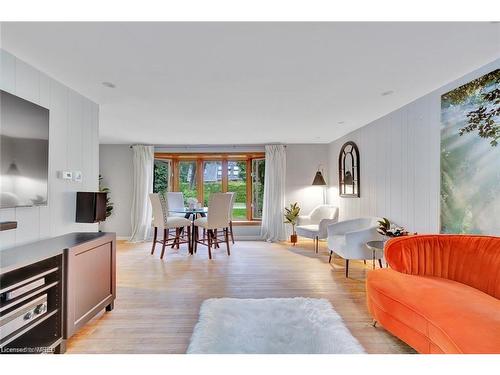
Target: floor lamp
(320,181)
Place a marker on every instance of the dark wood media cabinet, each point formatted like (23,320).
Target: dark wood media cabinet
(51,288)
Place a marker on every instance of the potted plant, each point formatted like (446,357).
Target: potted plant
(387,229)
(109,204)
(291,217)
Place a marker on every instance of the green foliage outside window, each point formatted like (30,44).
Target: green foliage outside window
(259,166)
(160,178)
(209,188)
(237,184)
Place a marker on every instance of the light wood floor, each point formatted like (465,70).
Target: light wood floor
(158,301)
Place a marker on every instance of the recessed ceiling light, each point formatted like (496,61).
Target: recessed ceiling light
(389,92)
(109,84)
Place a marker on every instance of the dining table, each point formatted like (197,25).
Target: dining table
(192,214)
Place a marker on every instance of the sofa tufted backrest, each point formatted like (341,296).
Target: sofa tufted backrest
(468,259)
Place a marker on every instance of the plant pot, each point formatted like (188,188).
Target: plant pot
(293,239)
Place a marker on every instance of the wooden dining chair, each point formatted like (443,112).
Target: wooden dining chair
(175,200)
(216,223)
(231,206)
(233,195)
(161,220)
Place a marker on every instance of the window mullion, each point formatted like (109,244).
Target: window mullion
(175,169)
(249,189)
(224,175)
(199,179)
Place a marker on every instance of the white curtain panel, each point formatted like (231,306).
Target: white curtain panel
(273,228)
(142,159)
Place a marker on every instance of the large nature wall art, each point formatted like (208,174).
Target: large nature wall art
(470,157)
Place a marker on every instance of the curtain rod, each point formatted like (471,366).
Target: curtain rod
(204,146)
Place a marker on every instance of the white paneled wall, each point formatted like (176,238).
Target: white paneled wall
(399,167)
(73,145)
(400,163)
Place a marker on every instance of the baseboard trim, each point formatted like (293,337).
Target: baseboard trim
(248,238)
(236,238)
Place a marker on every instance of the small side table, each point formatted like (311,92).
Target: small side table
(376,246)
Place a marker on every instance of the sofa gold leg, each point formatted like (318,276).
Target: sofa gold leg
(374,324)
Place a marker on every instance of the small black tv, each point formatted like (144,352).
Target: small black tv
(24,152)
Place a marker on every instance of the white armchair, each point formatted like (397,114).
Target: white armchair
(316,223)
(348,239)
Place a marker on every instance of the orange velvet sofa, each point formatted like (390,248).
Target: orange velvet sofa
(441,293)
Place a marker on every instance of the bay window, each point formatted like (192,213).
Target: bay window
(200,175)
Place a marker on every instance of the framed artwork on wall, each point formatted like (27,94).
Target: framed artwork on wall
(349,181)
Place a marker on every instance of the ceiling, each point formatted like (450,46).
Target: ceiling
(248,83)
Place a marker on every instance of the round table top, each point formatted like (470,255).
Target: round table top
(186,210)
(376,245)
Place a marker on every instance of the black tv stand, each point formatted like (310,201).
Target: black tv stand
(42,301)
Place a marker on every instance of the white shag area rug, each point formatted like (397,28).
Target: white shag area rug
(271,325)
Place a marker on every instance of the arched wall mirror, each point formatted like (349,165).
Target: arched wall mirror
(349,170)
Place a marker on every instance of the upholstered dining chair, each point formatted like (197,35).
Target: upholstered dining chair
(161,220)
(218,217)
(175,200)
(233,197)
(216,244)
(316,223)
(348,239)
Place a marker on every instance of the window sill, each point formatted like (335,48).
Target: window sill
(237,223)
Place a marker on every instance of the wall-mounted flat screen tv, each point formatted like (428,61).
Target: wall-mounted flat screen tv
(24,152)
